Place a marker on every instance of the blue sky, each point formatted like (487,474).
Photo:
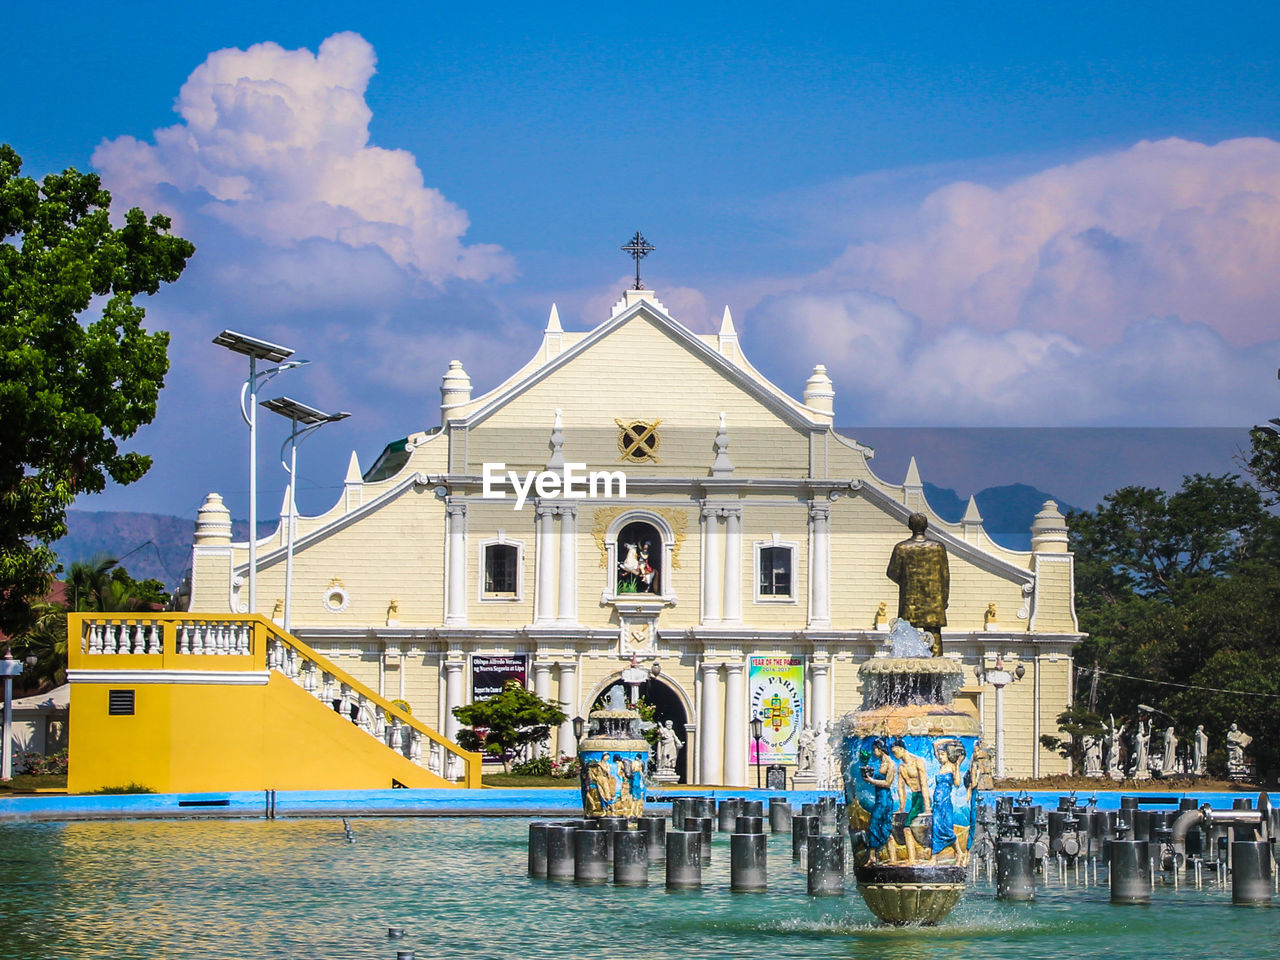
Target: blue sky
(1077,208)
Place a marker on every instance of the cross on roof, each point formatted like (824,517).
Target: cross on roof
(639,248)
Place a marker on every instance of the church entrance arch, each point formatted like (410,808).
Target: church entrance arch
(668,703)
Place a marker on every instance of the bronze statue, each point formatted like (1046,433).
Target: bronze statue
(919,567)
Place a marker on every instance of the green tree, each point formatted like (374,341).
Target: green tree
(513,719)
(1180,594)
(1074,723)
(78,372)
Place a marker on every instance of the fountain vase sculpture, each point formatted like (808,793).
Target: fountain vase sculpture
(912,804)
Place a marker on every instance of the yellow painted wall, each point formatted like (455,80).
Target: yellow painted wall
(189,738)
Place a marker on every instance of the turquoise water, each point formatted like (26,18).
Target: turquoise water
(296,889)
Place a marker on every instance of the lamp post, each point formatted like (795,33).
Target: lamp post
(1000,678)
(757,732)
(9,668)
(306,421)
(578,726)
(255,350)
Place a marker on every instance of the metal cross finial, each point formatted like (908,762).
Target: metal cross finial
(639,248)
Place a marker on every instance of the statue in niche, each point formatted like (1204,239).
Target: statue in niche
(919,567)
(1199,752)
(989,617)
(668,748)
(1169,759)
(1092,748)
(1237,740)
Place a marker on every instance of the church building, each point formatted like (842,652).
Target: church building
(696,534)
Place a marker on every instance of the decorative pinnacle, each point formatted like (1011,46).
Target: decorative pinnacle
(639,248)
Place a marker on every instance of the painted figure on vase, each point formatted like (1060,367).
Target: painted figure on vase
(947,834)
(881,774)
(602,787)
(913,793)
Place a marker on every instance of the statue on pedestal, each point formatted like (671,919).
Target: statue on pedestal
(805,754)
(1199,752)
(1141,741)
(919,567)
(668,749)
(1237,740)
(1092,749)
(1169,759)
(1115,769)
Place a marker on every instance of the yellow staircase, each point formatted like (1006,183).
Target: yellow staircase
(191,703)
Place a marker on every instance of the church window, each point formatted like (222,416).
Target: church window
(775,564)
(501,570)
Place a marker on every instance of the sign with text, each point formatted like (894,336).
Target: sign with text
(489,674)
(776,688)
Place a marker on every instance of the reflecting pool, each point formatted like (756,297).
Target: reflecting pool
(296,889)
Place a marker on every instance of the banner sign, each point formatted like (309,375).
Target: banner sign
(776,688)
(490,674)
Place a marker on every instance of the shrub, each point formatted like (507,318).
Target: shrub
(41,765)
(537,767)
(124,788)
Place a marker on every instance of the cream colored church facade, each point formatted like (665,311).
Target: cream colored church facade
(749,528)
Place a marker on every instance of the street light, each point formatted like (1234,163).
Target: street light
(255,350)
(9,668)
(306,421)
(757,731)
(578,725)
(999,678)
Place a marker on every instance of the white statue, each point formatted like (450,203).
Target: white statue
(1141,740)
(804,756)
(1199,752)
(1092,748)
(1168,761)
(1115,770)
(668,748)
(822,758)
(1237,740)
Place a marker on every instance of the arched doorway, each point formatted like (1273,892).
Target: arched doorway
(667,704)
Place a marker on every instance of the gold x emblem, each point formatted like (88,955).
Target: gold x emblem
(638,440)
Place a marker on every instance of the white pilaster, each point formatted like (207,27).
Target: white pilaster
(711,578)
(544,597)
(542,689)
(735,726)
(733,565)
(820,565)
(567,746)
(456,599)
(568,606)
(709,737)
(820,691)
(453,694)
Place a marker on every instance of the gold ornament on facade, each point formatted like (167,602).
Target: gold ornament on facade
(638,440)
(603,518)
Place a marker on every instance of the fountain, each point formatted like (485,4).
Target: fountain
(907,757)
(613,760)
(908,752)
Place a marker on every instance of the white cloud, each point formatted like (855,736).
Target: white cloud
(275,144)
(889,369)
(1168,228)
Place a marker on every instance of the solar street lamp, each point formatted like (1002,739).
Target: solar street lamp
(757,732)
(306,421)
(274,353)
